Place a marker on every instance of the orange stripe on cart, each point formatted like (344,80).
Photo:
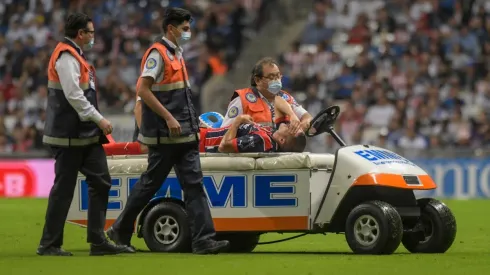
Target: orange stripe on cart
(393,180)
(243,224)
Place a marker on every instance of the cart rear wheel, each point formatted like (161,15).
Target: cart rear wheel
(435,230)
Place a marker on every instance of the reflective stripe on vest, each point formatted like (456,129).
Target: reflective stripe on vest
(57,85)
(170,86)
(167,140)
(70,141)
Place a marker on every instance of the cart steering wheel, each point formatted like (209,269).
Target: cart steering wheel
(323,121)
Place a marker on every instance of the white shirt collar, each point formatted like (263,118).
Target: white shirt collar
(76,45)
(171,44)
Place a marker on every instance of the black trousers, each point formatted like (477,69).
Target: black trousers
(187,165)
(91,161)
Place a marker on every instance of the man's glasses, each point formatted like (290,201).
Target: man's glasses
(273,76)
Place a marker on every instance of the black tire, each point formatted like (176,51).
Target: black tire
(176,236)
(438,229)
(240,242)
(385,233)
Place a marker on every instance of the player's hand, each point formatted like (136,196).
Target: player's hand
(304,125)
(294,125)
(246,119)
(106,126)
(174,127)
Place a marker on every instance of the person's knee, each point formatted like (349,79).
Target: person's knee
(100,183)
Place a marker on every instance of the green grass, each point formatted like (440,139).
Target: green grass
(22,219)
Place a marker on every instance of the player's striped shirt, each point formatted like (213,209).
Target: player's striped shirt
(250,138)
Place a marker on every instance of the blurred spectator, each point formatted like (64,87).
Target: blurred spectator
(30,29)
(408,74)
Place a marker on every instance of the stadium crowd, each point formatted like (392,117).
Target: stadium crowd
(410,74)
(30,29)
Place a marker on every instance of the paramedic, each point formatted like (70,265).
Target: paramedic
(169,127)
(75,131)
(258,100)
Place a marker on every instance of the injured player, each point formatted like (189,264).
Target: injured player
(244,136)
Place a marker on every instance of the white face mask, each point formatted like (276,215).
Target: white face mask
(275,86)
(184,38)
(89,45)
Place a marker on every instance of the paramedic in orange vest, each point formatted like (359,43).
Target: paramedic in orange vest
(75,132)
(170,129)
(257,101)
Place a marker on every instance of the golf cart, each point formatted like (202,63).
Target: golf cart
(363,191)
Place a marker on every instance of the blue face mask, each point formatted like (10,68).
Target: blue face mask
(275,86)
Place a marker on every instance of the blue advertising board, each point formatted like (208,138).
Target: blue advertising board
(458,178)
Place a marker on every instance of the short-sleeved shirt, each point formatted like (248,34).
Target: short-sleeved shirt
(250,138)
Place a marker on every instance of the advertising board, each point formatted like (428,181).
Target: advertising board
(459,178)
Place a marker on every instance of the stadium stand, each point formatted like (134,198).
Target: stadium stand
(410,74)
(29,30)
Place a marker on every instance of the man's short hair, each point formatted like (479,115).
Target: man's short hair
(75,22)
(258,70)
(175,17)
(294,144)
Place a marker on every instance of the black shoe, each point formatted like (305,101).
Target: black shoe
(113,236)
(212,247)
(107,248)
(52,251)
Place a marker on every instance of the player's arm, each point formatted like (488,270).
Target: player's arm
(234,110)
(153,68)
(228,143)
(283,108)
(301,113)
(305,120)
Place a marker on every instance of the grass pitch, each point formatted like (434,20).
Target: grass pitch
(21,223)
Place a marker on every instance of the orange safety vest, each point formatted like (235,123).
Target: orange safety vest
(175,75)
(218,67)
(255,106)
(63,126)
(174,94)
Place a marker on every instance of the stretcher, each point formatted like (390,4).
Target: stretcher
(362,191)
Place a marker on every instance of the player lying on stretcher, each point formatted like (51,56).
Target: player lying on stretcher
(243,136)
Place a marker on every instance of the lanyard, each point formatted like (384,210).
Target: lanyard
(272,109)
